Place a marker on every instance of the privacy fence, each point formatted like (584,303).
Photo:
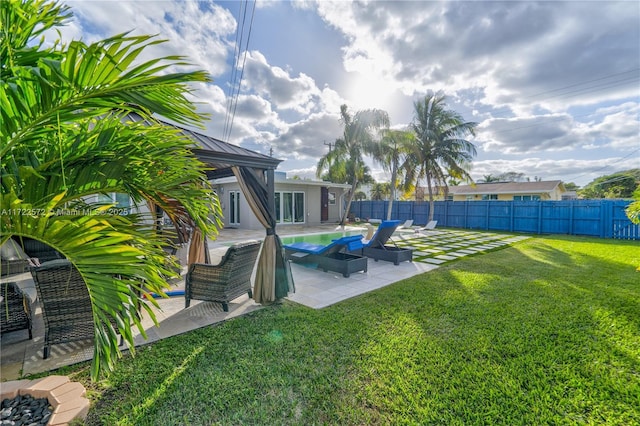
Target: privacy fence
(596,218)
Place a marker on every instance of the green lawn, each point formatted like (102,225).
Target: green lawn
(544,332)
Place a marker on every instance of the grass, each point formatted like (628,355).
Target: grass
(545,332)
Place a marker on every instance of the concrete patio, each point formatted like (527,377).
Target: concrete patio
(314,288)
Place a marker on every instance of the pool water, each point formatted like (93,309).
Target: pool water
(323,239)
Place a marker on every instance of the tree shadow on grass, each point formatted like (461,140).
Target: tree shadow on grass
(540,333)
(509,337)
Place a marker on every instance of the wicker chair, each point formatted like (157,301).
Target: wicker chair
(16,310)
(11,267)
(225,281)
(66,306)
(39,250)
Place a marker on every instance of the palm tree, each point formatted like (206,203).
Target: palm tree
(66,138)
(391,153)
(346,160)
(440,150)
(490,178)
(380,191)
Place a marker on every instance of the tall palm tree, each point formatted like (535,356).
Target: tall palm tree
(391,153)
(346,157)
(65,139)
(440,150)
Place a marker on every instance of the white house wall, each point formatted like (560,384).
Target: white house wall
(312,201)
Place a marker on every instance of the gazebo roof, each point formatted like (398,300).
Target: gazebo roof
(223,155)
(219,155)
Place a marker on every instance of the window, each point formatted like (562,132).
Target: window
(122,201)
(332,198)
(526,198)
(490,196)
(290,207)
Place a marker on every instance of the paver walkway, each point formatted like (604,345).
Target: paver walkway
(439,246)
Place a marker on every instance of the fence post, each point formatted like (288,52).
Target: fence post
(446,212)
(606,216)
(539,217)
(571,208)
(511,213)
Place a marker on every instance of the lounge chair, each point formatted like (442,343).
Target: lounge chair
(377,247)
(332,257)
(406,226)
(428,227)
(226,280)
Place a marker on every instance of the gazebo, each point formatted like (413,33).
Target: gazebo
(255,174)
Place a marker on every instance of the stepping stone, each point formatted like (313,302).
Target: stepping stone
(467,251)
(458,254)
(434,261)
(445,257)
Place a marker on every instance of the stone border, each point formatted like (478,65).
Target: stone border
(66,397)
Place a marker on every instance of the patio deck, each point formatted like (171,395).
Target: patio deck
(314,288)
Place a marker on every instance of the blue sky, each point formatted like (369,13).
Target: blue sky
(553,86)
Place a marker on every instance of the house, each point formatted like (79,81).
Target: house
(509,191)
(297,202)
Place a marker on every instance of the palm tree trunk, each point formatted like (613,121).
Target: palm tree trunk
(394,174)
(349,200)
(431,201)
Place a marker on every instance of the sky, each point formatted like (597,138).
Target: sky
(554,87)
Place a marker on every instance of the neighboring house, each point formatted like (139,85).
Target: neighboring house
(509,191)
(298,202)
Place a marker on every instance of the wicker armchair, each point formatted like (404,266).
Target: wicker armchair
(16,310)
(66,306)
(11,267)
(39,250)
(225,281)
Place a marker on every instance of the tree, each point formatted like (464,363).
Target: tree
(345,161)
(391,153)
(633,210)
(380,191)
(512,177)
(360,196)
(67,137)
(570,186)
(489,178)
(616,185)
(440,150)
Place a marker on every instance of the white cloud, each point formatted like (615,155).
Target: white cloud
(198,31)
(553,84)
(286,92)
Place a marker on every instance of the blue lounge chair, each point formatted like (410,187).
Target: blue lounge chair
(332,257)
(377,247)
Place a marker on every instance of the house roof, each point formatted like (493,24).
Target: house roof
(506,188)
(219,155)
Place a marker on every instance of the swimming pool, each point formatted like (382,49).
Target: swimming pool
(323,239)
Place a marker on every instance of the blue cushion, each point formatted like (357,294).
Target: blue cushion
(352,243)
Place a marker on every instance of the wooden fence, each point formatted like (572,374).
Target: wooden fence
(596,218)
